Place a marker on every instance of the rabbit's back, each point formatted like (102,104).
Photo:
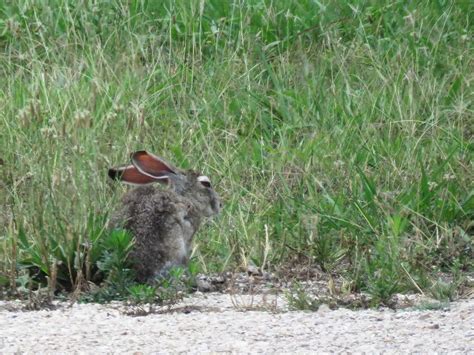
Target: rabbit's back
(162,225)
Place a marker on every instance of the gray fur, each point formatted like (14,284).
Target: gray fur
(164,221)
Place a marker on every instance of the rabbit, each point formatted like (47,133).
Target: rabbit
(162,221)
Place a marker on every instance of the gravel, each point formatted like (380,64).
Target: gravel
(234,324)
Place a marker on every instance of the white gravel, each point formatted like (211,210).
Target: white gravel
(219,323)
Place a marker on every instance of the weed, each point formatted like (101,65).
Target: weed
(139,294)
(172,288)
(299,299)
(432,306)
(447,289)
(114,261)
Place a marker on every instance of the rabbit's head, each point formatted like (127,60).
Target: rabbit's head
(147,168)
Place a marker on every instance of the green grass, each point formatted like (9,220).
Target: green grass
(342,133)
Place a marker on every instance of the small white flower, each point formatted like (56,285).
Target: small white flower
(432,185)
(449,176)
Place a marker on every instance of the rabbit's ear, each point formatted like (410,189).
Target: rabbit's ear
(151,165)
(131,175)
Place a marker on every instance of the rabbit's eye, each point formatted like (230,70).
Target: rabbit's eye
(204,180)
(206,183)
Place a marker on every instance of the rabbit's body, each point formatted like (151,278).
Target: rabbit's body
(162,227)
(163,221)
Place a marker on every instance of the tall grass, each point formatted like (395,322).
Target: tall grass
(339,133)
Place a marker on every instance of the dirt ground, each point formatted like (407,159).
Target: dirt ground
(216,322)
